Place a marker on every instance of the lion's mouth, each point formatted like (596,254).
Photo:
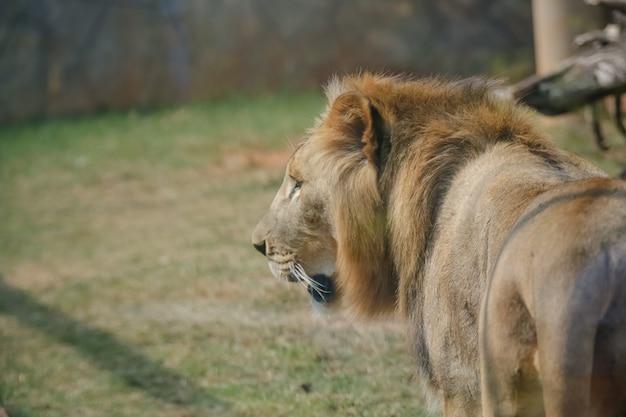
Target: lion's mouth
(321,289)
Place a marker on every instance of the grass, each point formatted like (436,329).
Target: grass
(129,287)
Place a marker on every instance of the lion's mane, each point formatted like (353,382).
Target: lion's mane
(435,127)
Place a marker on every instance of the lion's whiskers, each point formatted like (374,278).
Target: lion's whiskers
(304,279)
(289,143)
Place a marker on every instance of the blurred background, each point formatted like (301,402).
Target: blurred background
(140,143)
(60,57)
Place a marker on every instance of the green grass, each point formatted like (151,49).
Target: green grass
(129,287)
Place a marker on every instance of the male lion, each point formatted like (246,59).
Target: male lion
(506,255)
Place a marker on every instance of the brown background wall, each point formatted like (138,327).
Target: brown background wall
(75,56)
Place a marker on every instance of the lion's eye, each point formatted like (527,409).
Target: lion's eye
(296,187)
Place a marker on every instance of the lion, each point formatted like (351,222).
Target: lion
(439,203)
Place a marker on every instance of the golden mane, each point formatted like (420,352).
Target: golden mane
(385,217)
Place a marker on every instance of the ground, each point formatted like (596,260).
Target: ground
(129,286)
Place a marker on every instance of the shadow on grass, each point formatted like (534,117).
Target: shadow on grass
(106,351)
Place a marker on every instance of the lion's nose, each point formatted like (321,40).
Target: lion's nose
(260,247)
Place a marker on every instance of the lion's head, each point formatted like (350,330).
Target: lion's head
(326,225)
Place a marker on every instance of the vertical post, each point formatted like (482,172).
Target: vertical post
(552,38)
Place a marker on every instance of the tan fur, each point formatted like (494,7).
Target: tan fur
(506,255)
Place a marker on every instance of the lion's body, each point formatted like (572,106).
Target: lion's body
(439,201)
(505,237)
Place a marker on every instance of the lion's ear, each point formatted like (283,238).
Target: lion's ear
(356,117)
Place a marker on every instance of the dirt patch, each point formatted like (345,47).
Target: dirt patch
(236,160)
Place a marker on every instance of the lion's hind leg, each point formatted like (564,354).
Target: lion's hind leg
(608,388)
(551,340)
(579,332)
